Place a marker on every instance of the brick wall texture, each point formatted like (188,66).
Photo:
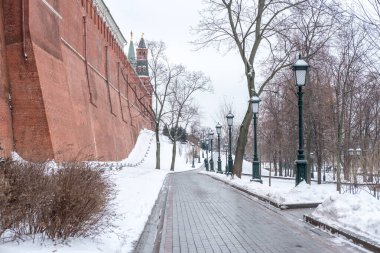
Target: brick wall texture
(67,90)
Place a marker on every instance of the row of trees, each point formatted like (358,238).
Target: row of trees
(180,133)
(342,97)
(174,87)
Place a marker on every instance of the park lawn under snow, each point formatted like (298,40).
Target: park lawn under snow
(281,191)
(359,214)
(137,190)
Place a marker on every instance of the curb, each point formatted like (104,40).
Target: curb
(268,200)
(288,178)
(150,238)
(366,243)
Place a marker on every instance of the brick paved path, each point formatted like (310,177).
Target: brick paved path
(204,215)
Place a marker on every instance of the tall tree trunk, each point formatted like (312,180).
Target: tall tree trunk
(174,153)
(275,163)
(158,147)
(319,167)
(241,142)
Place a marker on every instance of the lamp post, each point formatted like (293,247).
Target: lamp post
(203,142)
(354,155)
(324,172)
(312,165)
(226,151)
(211,136)
(206,162)
(256,175)
(219,131)
(199,155)
(351,153)
(300,69)
(358,154)
(192,164)
(230,120)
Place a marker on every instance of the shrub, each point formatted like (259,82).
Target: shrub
(67,202)
(80,200)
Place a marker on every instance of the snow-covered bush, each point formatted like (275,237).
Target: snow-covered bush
(36,200)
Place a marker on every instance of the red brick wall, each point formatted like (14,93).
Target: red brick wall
(82,98)
(6,135)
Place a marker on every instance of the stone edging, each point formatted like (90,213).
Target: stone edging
(268,200)
(357,239)
(150,238)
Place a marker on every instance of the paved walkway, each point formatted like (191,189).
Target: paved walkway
(204,215)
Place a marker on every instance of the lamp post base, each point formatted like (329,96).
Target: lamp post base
(212,165)
(220,167)
(301,171)
(256,175)
(230,166)
(258,180)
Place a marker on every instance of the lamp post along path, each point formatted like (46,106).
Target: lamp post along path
(226,152)
(199,153)
(219,131)
(193,165)
(230,118)
(206,161)
(256,175)
(300,69)
(211,134)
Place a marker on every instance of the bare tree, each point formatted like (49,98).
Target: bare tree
(181,102)
(162,75)
(260,29)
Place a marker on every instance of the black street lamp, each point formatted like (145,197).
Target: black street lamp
(354,157)
(219,131)
(312,165)
(256,174)
(193,165)
(206,162)
(203,143)
(199,155)
(211,136)
(226,151)
(300,69)
(230,120)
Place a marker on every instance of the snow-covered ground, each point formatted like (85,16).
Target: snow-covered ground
(281,191)
(137,190)
(359,213)
(138,185)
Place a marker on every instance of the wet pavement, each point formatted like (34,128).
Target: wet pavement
(205,215)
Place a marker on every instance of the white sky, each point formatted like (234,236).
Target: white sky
(170,21)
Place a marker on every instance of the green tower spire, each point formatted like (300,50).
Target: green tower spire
(131,53)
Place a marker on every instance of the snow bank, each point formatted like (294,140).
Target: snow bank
(303,193)
(359,213)
(137,190)
(282,191)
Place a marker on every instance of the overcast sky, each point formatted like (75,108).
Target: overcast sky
(170,21)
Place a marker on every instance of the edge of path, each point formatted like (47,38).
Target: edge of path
(150,238)
(361,241)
